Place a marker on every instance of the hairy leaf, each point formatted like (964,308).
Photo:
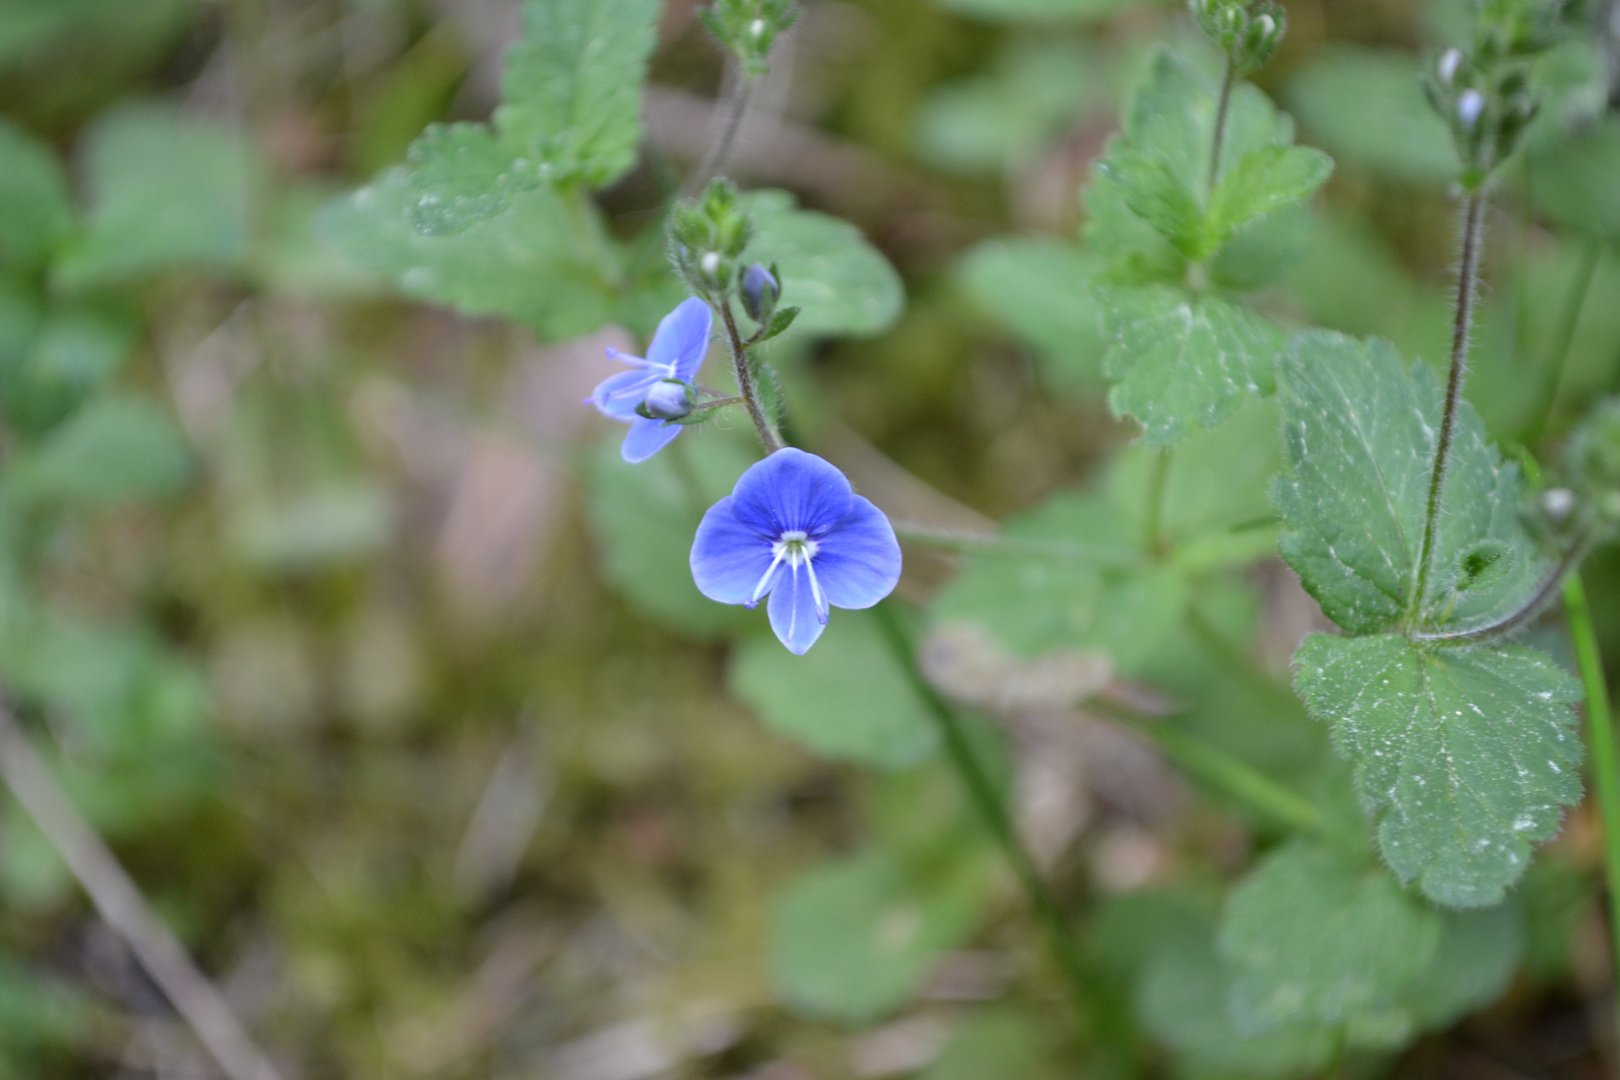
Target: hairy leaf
(1263,182)
(460,175)
(841,283)
(1360,429)
(1463,756)
(572,88)
(1182,362)
(1314,937)
(1042,288)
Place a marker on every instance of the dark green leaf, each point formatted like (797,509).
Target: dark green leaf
(459,175)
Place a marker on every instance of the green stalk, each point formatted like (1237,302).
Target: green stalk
(1600,734)
(1098,1012)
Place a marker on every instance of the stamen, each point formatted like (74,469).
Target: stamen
(765,579)
(636,361)
(822,608)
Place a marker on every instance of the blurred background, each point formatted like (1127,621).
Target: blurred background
(303,599)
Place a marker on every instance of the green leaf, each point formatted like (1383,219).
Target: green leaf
(846,698)
(1367,107)
(1041,287)
(572,88)
(117,449)
(39,212)
(460,175)
(842,284)
(75,350)
(1262,182)
(1359,429)
(1463,756)
(994,1045)
(1183,362)
(521,264)
(1314,937)
(1472,966)
(1573,181)
(168,191)
(645,518)
(853,939)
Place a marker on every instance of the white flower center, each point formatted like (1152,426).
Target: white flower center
(793,547)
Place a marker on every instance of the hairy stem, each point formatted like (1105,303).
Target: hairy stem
(745,381)
(1568,320)
(1233,777)
(1099,1012)
(1525,613)
(123,908)
(1600,734)
(736,106)
(1462,324)
(1222,107)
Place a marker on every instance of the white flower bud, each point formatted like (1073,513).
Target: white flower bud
(710,265)
(1558,504)
(1450,62)
(756,29)
(1470,104)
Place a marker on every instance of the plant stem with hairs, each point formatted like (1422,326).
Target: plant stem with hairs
(745,380)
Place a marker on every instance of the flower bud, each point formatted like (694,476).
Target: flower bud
(668,401)
(710,265)
(1557,504)
(759,292)
(1450,62)
(1470,104)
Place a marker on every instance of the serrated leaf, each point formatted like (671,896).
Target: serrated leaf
(39,212)
(1463,756)
(119,448)
(1041,287)
(1360,429)
(841,283)
(1155,193)
(852,939)
(1183,362)
(847,698)
(521,264)
(460,175)
(572,87)
(168,191)
(1313,937)
(1262,182)
(644,519)
(1367,107)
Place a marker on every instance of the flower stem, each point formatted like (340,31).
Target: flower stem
(736,106)
(1567,322)
(1158,485)
(745,380)
(1600,733)
(1462,324)
(1223,107)
(1099,1012)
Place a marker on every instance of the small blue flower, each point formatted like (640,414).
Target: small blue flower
(794,529)
(676,353)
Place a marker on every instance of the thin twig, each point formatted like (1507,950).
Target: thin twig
(1221,109)
(745,381)
(123,908)
(1462,324)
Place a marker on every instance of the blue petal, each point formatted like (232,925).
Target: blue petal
(646,438)
(618,395)
(792,491)
(728,558)
(682,339)
(858,562)
(793,611)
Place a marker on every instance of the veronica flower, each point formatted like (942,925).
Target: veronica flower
(794,530)
(676,353)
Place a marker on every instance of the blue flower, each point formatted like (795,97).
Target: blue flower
(792,528)
(676,353)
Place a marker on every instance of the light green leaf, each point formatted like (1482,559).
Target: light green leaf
(995,1045)
(459,175)
(853,939)
(1182,362)
(120,448)
(1360,428)
(846,698)
(572,88)
(1367,107)
(1471,968)
(1263,182)
(1038,10)
(1042,288)
(645,518)
(1574,181)
(1463,756)
(168,191)
(39,212)
(521,264)
(842,284)
(1314,937)
(76,350)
